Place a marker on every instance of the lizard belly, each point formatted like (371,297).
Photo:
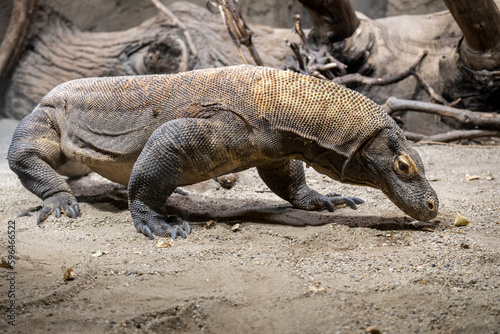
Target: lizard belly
(114,166)
(118,172)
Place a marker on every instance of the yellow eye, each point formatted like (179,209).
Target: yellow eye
(404,164)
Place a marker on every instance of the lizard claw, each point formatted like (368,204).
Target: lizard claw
(149,222)
(146,231)
(187,227)
(337,199)
(183,231)
(42,215)
(350,203)
(181,192)
(328,205)
(76,210)
(56,204)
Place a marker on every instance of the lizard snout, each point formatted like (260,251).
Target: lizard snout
(429,209)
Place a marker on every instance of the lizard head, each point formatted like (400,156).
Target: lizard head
(388,163)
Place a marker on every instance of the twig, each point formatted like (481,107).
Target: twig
(236,27)
(360,79)
(231,31)
(464,116)
(444,285)
(296,51)
(298,30)
(425,86)
(178,23)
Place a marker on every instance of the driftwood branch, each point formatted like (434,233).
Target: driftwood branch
(357,78)
(479,22)
(464,116)
(15,35)
(320,63)
(178,23)
(429,90)
(236,27)
(333,20)
(452,135)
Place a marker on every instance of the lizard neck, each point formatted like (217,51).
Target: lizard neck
(323,160)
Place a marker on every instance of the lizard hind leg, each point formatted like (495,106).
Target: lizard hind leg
(34,155)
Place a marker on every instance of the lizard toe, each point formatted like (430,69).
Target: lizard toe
(28,212)
(180,231)
(337,199)
(156,224)
(43,214)
(144,229)
(57,204)
(328,204)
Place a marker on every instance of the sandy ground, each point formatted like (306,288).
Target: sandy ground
(366,270)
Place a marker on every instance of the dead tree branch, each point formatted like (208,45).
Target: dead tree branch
(333,20)
(426,87)
(479,22)
(178,23)
(320,63)
(357,78)
(452,135)
(464,116)
(17,32)
(236,27)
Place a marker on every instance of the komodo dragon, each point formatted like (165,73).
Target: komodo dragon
(158,132)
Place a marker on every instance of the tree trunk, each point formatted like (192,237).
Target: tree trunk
(385,47)
(333,20)
(15,36)
(472,70)
(480,24)
(60,52)
(377,48)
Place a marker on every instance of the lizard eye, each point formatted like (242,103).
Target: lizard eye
(403,167)
(403,164)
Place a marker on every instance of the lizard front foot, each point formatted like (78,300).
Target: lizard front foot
(148,222)
(60,202)
(315,201)
(332,199)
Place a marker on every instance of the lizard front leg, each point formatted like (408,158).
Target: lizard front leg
(34,155)
(287,180)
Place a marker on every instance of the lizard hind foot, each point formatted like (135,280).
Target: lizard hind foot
(158,225)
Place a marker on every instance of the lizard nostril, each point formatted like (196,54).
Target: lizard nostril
(431,205)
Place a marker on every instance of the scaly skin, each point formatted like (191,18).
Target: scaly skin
(156,133)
